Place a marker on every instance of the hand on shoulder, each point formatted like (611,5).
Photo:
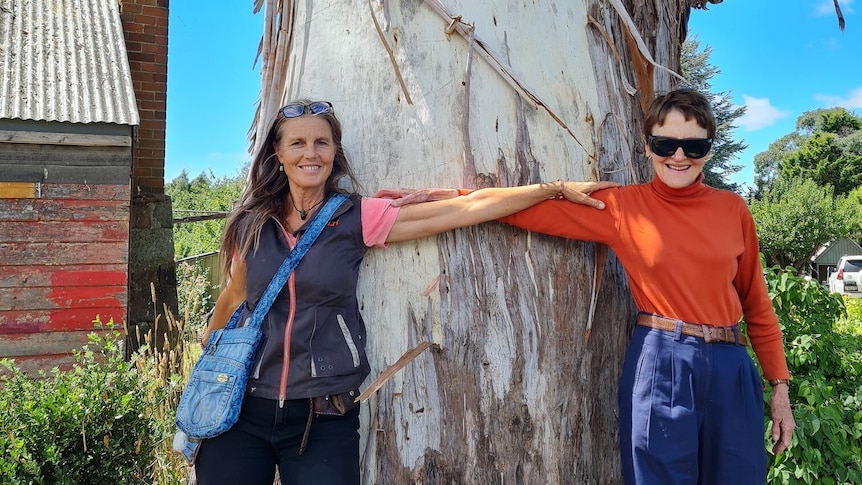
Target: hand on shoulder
(579,192)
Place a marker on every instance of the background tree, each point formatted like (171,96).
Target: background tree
(831,155)
(833,120)
(795,217)
(853,204)
(696,69)
(767,165)
(203,195)
(826,147)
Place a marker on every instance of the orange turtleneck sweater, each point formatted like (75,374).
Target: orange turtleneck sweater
(689,253)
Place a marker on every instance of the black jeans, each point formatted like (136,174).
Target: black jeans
(266,436)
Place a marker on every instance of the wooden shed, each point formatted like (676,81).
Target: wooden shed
(68,117)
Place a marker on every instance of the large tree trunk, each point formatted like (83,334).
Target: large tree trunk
(513,391)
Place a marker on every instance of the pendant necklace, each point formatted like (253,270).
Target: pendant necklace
(303,213)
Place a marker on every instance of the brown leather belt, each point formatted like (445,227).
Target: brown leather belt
(708,333)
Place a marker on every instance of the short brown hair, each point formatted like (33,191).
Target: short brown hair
(691,103)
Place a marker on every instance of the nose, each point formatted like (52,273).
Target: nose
(310,151)
(679,154)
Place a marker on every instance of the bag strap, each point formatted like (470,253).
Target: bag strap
(302,246)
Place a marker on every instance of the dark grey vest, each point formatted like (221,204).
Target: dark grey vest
(327,342)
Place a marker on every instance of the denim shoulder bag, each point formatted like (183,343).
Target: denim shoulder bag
(211,401)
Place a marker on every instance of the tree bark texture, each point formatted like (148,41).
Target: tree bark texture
(473,93)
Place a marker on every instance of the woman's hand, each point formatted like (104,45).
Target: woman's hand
(782,418)
(412,196)
(579,192)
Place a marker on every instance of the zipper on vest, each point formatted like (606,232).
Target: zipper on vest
(288,325)
(288,330)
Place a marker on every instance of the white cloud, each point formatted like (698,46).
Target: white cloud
(827,7)
(759,113)
(852,101)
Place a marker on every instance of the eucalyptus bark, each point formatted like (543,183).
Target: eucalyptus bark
(505,93)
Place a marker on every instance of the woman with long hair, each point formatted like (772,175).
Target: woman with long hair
(296,414)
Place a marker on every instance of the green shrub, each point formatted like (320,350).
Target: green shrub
(95,423)
(825,360)
(853,322)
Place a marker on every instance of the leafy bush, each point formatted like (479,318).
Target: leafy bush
(853,322)
(92,424)
(824,353)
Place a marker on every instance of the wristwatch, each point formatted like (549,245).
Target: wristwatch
(775,382)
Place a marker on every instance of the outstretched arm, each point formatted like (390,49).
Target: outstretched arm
(402,197)
(429,218)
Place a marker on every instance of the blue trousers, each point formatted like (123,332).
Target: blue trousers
(266,436)
(690,412)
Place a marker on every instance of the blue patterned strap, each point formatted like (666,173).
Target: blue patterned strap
(305,241)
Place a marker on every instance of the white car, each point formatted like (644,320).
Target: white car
(845,279)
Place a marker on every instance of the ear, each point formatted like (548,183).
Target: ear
(275,151)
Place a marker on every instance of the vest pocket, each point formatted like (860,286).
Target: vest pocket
(337,343)
(348,339)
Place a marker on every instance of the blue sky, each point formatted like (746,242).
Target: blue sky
(212,87)
(778,59)
(781,59)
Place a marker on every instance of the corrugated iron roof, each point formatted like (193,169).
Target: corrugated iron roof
(65,60)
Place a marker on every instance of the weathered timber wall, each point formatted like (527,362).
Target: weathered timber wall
(63,244)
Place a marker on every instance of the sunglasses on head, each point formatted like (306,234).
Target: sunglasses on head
(692,147)
(314,108)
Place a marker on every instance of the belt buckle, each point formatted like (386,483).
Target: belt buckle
(707,334)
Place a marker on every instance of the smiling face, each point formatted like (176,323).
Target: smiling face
(306,149)
(678,170)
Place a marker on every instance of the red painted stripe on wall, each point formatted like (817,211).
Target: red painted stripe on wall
(49,298)
(74,277)
(54,320)
(33,276)
(87,296)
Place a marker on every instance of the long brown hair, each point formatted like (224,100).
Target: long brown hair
(265,193)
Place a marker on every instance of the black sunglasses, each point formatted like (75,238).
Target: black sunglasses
(692,147)
(314,108)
